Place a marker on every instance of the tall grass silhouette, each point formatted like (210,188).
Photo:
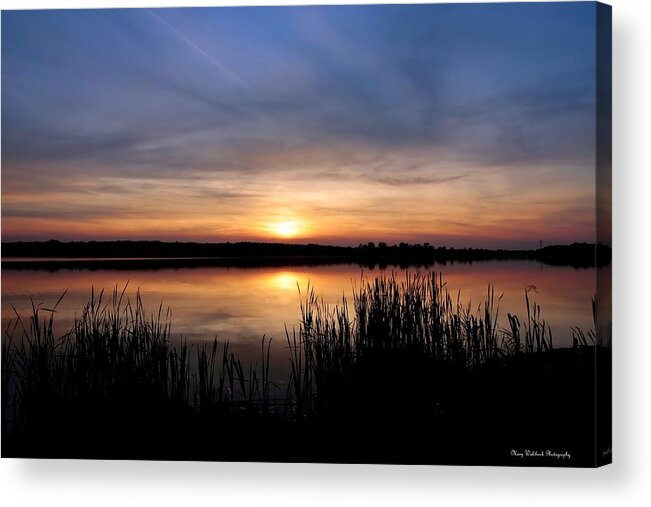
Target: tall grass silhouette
(412,318)
(397,352)
(118,352)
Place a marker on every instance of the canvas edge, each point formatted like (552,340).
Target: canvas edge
(603,296)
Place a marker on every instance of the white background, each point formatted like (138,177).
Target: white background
(626,482)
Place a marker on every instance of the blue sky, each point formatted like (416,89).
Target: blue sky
(455,124)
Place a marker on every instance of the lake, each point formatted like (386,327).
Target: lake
(243,304)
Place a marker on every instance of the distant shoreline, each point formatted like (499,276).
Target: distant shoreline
(54,255)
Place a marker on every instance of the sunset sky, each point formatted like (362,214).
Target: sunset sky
(458,125)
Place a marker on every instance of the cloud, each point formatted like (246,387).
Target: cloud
(352,87)
(416,180)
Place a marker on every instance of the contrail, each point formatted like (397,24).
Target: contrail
(203,53)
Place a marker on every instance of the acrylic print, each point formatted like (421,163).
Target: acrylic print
(347,234)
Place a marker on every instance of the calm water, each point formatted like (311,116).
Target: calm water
(240,305)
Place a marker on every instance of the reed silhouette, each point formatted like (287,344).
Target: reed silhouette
(403,373)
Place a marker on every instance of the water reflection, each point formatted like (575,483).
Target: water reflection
(241,305)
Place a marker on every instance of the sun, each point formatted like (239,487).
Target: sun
(286,229)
